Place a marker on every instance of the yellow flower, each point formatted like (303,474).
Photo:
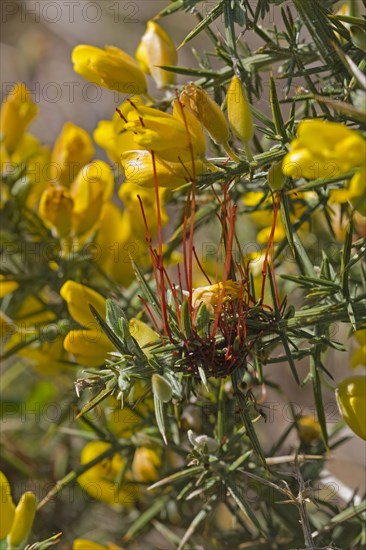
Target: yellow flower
(72,150)
(90,346)
(16,523)
(86,544)
(128,194)
(7,286)
(351,399)
(111,68)
(276,178)
(145,465)
(23,519)
(117,244)
(112,136)
(324,149)
(76,211)
(212,294)
(207,111)
(309,429)
(143,334)
(359,355)
(55,209)
(47,357)
(100,481)
(124,422)
(238,111)
(156,49)
(170,136)
(357,191)
(7,507)
(138,168)
(92,187)
(17,112)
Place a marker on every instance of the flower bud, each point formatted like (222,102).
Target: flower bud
(161,388)
(238,110)
(276,178)
(73,149)
(351,399)
(23,519)
(17,112)
(156,49)
(55,209)
(7,508)
(207,111)
(110,68)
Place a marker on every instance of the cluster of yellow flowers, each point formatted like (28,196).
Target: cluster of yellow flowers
(72,193)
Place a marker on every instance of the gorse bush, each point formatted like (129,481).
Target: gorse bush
(235,245)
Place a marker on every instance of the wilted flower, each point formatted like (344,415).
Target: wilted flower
(211,295)
(207,111)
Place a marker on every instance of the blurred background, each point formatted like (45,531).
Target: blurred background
(36,44)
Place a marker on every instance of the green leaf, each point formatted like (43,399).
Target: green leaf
(244,506)
(159,415)
(210,17)
(247,421)
(95,401)
(146,517)
(276,111)
(113,337)
(113,314)
(178,476)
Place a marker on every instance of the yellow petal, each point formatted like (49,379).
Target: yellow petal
(89,347)
(23,519)
(238,111)
(78,298)
(17,112)
(7,508)
(155,49)
(100,481)
(351,399)
(111,68)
